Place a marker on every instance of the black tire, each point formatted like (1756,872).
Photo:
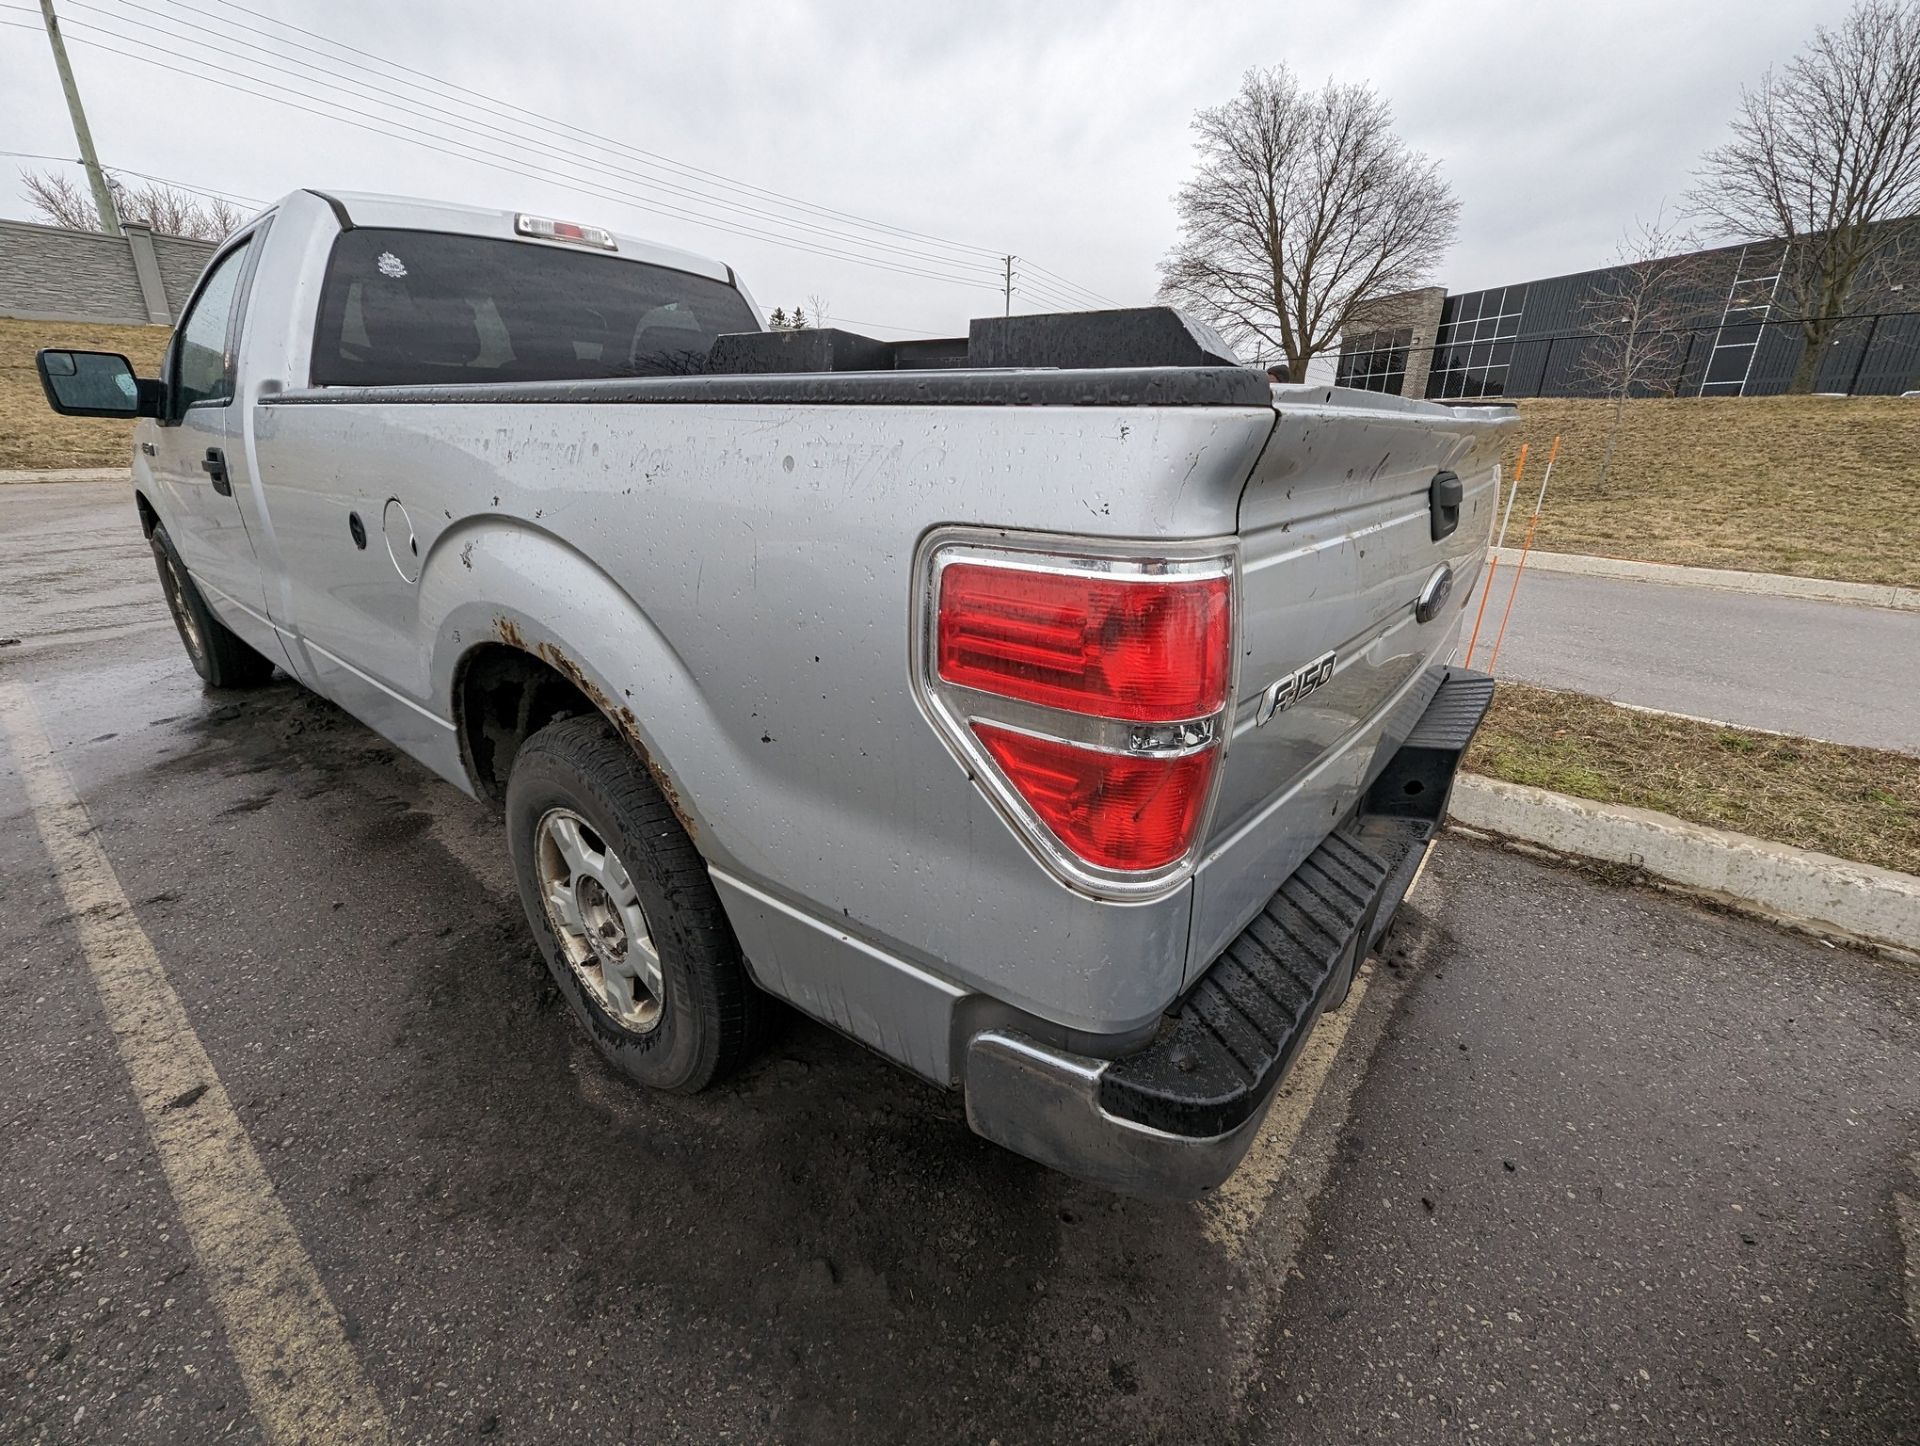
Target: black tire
(220,658)
(706,1023)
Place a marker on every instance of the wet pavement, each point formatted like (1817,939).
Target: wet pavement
(1591,1164)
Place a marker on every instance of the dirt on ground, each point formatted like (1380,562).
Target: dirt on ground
(1808,486)
(1856,803)
(31,435)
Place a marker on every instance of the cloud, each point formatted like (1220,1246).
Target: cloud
(1054,131)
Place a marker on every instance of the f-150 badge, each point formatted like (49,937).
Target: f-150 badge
(1291,689)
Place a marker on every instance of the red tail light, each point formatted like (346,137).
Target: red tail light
(1147,649)
(1089,693)
(1114,811)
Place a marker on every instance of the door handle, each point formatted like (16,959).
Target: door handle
(1444,496)
(214,464)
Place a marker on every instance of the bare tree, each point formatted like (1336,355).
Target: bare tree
(1824,154)
(1304,204)
(817,305)
(1635,317)
(174,212)
(167,209)
(60,200)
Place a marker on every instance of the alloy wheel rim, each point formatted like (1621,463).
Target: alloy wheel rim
(177,604)
(595,912)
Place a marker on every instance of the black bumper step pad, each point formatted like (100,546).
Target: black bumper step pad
(1224,1049)
(1220,1054)
(1454,715)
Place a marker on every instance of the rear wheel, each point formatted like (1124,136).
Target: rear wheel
(220,658)
(624,912)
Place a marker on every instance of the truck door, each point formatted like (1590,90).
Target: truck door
(196,454)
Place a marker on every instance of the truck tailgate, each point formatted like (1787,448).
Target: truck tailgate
(1336,531)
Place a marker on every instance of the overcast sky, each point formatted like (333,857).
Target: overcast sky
(1056,130)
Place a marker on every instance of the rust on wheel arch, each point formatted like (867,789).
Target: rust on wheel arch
(618,714)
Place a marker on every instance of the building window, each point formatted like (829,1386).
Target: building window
(1474,345)
(1375,361)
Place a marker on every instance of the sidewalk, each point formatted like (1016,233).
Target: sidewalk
(1815,892)
(65,474)
(1723,579)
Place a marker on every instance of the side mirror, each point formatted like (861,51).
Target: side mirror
(95,384)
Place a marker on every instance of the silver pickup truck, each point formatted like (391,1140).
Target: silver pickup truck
(1060,710)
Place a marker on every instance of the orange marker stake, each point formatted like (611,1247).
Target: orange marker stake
(1526,548)
(1493,563)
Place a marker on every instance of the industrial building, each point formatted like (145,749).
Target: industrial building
(1726,329)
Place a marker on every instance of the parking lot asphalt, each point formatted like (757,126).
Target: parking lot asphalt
(1590,1163)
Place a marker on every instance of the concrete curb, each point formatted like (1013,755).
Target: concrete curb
(1819,589)
(1811,891)
(66,474)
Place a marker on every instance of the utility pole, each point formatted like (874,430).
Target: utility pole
(1008,260)
(97,178)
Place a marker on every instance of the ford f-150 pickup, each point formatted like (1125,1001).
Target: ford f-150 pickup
(1061,710)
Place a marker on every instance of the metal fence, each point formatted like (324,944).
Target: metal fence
(1872,354)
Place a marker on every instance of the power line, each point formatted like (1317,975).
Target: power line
(1027,288)
(1015,280)
(211,192)
(1050,291)
(545,122)
(491,135)
(33,156)
(362,91)
(1072,286)
(494,102)
(906,260)
(889,326)
(1024,288)
(469,153)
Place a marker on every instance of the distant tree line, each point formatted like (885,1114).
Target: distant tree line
(60,201)
(798,319)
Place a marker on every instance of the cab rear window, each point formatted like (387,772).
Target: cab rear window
(405,308)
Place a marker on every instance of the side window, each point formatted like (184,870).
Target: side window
(204,364)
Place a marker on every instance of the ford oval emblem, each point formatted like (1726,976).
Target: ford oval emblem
(1434,595)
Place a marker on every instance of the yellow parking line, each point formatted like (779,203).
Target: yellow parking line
(301,1375)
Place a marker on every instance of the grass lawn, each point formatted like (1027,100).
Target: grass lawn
(1856,803)
(1811,486)
(30,434)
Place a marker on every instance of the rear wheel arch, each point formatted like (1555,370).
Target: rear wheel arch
(502,696)
(526,630)
(149,518)
(504,693)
